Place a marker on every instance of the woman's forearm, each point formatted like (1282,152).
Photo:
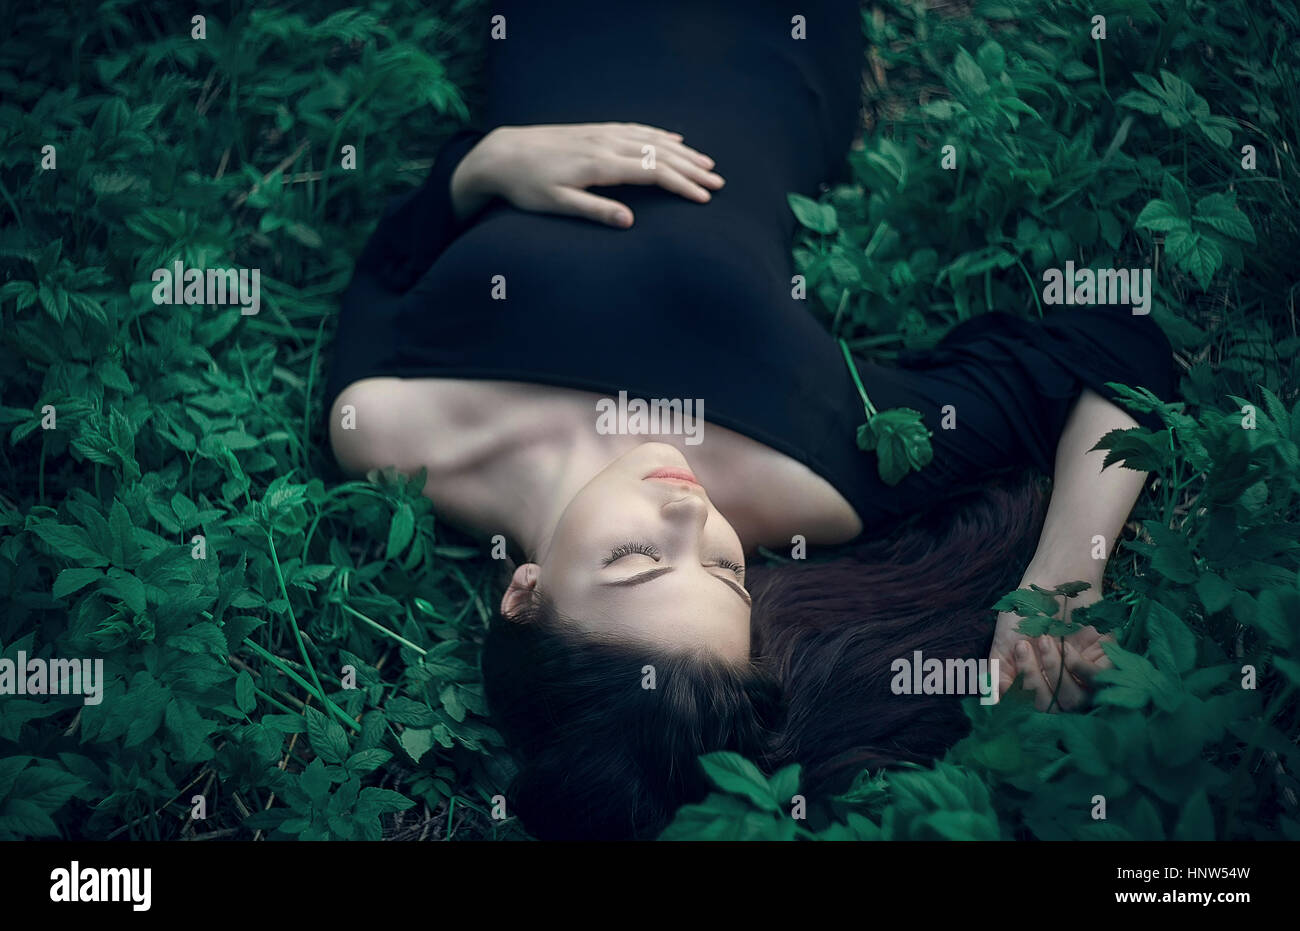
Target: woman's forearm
(471,186)
(1087,503)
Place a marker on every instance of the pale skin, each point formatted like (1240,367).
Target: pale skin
(657,558)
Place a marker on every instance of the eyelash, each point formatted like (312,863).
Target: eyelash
(627,549)
(649,549)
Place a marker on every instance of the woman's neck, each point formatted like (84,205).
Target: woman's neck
(515,472)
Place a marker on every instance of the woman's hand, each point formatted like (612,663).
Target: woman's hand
(1041,658)
(548,168)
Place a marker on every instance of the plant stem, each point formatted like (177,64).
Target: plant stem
(384,630)
(279,664)
(853,370)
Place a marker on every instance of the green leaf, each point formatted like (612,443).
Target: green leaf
(1172,190)
(416,742)
(403,710)
(1196,822)
(327,737)
(46,787)
(245,695)
(1161,216)
(900,440)
(314,780)
(71,580)
(732,773)
(1173,645)
(1276,613)
(9,769)
(1028,603)
(70,542)
(285,723)
(201,638)
(20,819)
(1214,592)
(1136,100)
(365,761)
(820,218)
(377,801)
(400,530)
(1195,254)
(970,77)
(1219,212)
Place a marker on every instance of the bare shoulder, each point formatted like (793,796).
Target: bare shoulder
(386,421)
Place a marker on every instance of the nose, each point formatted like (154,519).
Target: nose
(690,507)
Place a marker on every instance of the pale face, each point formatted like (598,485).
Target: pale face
(641,552)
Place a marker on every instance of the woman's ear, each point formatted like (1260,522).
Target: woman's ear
(520,591)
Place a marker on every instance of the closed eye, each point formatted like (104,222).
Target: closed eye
(627,549)
(651,574)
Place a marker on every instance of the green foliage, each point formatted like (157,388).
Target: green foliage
(1123,152)
(224,675)
(900,441)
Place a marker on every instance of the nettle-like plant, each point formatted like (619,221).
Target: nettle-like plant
(302,653)
(158,506)
(1170,143)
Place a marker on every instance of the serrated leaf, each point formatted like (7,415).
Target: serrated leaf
(71,580)
(327,736)
(732,773)
(416,742)
(245,693)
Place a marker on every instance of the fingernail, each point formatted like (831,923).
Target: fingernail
(623,218)
(706,161)
(1043,647)
(1022,649)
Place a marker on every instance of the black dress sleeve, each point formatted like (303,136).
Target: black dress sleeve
(1012,384)
(418,226)
(414,230)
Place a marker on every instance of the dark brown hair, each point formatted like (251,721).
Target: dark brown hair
(604,751)
(600,756)
(831,630)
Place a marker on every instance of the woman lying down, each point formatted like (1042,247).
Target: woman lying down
(617,228)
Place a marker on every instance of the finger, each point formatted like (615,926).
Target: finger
(641,129)
(683,157)
(579,203)
(696,172)
(692,156)
(671,141)
(666,176)
(1006,673)
(1068,693)
(617,169)
(1085,664)
(1027,663)
(670,156)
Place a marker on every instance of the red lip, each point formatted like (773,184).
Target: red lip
(676,475)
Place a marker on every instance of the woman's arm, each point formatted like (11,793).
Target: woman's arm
(539,168)
(1087,503)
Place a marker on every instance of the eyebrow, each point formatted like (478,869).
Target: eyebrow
(652,574)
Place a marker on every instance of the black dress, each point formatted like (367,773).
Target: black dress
(694,300)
